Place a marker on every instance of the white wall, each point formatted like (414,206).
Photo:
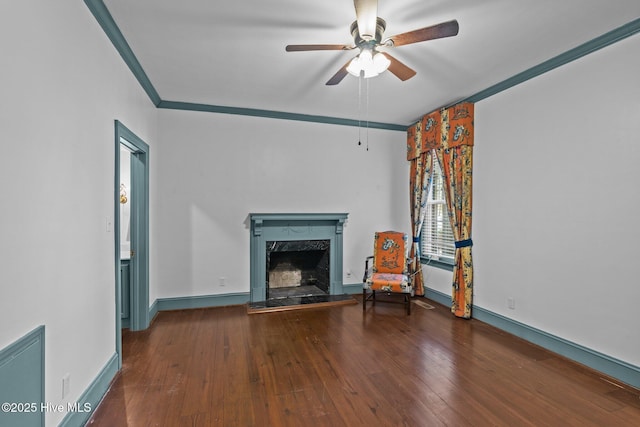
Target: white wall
(62,86)
(556,202)
(217,169)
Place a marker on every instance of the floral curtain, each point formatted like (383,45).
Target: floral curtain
(421,138)
(454,149)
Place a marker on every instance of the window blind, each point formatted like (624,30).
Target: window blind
(437,242)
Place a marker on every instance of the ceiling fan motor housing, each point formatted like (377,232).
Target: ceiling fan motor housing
(381,25)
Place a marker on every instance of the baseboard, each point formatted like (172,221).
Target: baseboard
(618,369)
(352,288)
(200,301)
(438,297)
(89,400)
(153,311)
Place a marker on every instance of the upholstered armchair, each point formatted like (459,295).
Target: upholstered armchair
(389,272)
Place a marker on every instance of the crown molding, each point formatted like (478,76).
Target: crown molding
(176,105)
(584,49)
(104,18)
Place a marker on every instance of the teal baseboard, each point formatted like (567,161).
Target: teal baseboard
(153,311)
(352,288)
(618,369)
(438,297)
(200,301)
(89,400)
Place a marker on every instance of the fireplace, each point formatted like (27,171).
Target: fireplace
(295,254)
(297,268)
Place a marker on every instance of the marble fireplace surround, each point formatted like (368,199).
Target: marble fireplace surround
(267,227)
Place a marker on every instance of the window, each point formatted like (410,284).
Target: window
(436,238)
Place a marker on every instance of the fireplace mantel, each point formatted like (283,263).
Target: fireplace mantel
(288,227)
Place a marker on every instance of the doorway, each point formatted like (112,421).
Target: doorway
(126,251)
(131,233)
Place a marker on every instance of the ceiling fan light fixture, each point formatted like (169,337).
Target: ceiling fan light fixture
(369,63)
(366,60)
(354,67)
(381,62)
(369,72)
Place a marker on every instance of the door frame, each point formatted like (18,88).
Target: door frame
(139,264)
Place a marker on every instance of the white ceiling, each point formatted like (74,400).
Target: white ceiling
(232,53)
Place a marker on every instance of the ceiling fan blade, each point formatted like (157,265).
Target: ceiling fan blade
(400,70)
(445,29)
(366,16)
(307,47)
(341,74)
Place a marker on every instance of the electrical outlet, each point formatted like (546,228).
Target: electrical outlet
(511,303)
(66,385)
(349,274)
(221,281)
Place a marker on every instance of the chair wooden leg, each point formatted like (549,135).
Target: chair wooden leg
(372,296)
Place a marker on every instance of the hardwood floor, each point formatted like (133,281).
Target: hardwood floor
(338,367)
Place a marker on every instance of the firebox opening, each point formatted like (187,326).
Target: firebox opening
(297,268)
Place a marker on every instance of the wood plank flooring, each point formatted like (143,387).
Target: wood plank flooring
(339,367)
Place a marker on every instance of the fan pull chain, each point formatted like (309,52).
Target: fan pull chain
(367,115)
(360,109)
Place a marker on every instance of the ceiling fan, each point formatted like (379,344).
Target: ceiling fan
(367,33)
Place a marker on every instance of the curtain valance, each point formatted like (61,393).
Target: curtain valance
(443,128)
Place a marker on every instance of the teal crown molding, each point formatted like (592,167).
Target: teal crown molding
(604,40)
(104,18)
(175,105)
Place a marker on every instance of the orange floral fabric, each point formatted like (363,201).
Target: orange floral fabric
(424,135)
(414,141)
(419,183)
(422,138)
(389,263)
(389,252)
(388,282)
(457,167)
(457,125)
(450,132)
(431,131)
